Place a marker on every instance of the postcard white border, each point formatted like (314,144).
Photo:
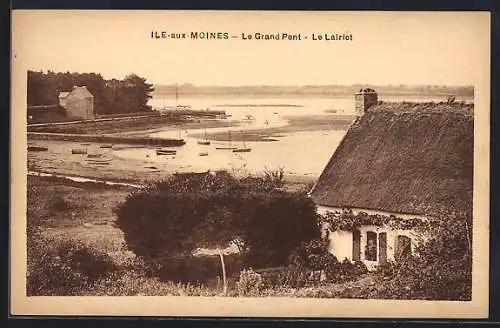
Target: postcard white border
(248,307)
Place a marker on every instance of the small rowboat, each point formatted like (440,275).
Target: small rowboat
(242,150)
(166,152)
(37,148)
(226,148)
(79,151)
(99,161)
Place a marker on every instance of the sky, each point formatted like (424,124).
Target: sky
(444,48)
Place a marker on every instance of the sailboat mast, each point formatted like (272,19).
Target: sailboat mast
(176,95)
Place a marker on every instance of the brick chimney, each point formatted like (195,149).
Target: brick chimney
(364,99)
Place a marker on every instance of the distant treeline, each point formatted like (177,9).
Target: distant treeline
(312,90)
(110,96)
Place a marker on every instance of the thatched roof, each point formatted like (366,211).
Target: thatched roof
(403,158)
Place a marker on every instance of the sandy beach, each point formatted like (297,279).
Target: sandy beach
(296,123)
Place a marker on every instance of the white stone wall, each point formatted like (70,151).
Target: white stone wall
(341,242)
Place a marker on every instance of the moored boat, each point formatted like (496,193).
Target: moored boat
(166,151)
(99,160)
(205,142)
(79,151)
(228,146)
(37,148)
(243,149)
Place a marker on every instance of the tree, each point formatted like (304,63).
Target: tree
(40,90)
(136,93)
(280,223)
(175,216)
(126,96)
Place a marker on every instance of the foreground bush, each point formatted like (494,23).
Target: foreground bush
(64,267)
(249,284)
(194,269)
(175,216)
(441,269)
(312,263)
(137,284)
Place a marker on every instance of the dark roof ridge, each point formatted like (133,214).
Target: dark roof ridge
(458,107)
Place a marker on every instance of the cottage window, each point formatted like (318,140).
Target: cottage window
(371,246)
(402,247)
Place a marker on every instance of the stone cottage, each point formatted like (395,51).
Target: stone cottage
(79,103)
(400,160)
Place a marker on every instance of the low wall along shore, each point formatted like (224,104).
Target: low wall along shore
(146,141)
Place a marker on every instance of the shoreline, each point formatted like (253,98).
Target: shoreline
(59,159)
(290,183)
(133,126)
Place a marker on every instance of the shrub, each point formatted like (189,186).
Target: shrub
(309,262)
(250,284)
(196,269)
(175,216)
(60,204)
(387,270)
(64,267)
(275,177)
(138,284)
(279,223)
(441,269)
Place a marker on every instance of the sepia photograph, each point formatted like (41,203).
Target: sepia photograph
(211,163)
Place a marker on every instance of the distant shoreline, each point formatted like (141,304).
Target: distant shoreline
(306,91)
(299,96)
(258,105)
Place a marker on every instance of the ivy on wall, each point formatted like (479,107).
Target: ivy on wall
(348,221)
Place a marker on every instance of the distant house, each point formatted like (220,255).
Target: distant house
(405,160)
(79,103)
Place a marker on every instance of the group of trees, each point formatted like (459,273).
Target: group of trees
(110,96)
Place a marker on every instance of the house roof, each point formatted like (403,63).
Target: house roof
(79,91)
(404,158)
(82,91)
